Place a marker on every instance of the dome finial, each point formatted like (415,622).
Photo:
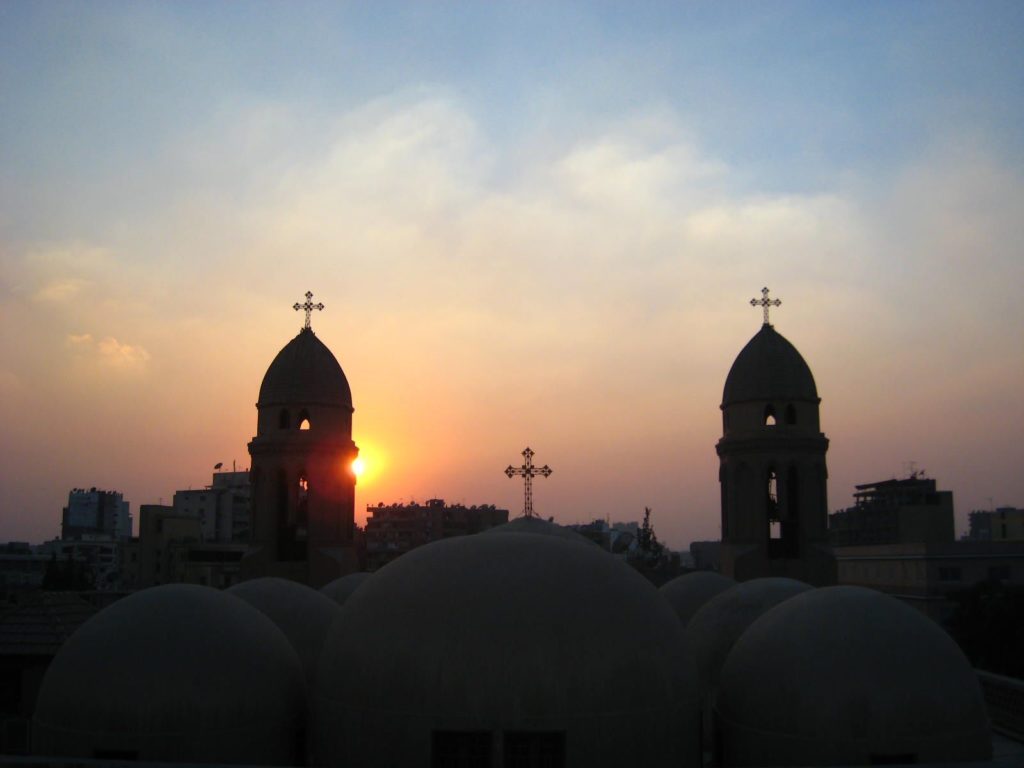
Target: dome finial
(309,306)
(764,301)
(528,471)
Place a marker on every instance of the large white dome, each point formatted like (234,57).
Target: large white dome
(177,673)
(507,642)
(848,676)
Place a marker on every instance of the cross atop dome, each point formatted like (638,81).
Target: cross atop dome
(309,306)
(528,471)
(764,302)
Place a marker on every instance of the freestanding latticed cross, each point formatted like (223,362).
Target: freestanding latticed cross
(309,306)
(765,302)
(528,472)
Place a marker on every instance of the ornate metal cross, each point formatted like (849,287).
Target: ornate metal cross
(309,306)
(765,302)
(528,472)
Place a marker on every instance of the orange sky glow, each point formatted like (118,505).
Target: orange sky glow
(549,243)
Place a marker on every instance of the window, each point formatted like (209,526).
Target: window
(949,574)
(999,573)
(461,749)
(790,414)
(534,749)
(908,758)
(284,421)
(304,420)
(769,415)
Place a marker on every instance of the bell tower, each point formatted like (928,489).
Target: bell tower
(772,467)
(303,486)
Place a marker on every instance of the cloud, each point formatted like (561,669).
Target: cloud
(109,351)
(122,355)
(79,340)
(59,291)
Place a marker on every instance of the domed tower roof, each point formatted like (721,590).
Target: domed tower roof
(305,372)
(769,368)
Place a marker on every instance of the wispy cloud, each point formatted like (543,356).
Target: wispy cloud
(109,352)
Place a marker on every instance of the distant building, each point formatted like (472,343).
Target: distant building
(707,555)
(99,554)
(93,513)
(395,529)
(928,576)
(171,550)
(22,569)
(904,511)
(618,538)
(1001,524)
(222,508)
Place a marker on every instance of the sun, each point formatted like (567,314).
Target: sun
(358,467)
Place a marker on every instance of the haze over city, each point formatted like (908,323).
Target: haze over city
(531,224)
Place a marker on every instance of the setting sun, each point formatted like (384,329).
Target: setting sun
(358,467)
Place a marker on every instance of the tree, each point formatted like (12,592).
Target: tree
(647,540)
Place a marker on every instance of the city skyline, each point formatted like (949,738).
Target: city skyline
(530,224)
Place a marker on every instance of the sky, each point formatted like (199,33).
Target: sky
(531,223)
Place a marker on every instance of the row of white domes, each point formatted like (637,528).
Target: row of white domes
(507,635)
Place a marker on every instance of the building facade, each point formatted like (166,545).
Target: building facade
(93,513)
(895,512)
(930,576)
(1000,524)
(394,529)
(223,507)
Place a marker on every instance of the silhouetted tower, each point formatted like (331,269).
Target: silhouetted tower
(772,464)
(303,486)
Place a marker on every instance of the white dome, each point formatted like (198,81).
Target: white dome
(504,638)
(341,589)
(301,613)
(848,676)
(177,673)
(687,593)
(720,622)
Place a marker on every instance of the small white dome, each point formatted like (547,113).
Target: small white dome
(687,593)
(720,622)
(301,613)
(177,673)
(499,640)
(848,676)
(341,589)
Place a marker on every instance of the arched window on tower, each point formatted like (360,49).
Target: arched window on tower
(284,420)
(790,414)
(304,420)
(771,491)
(284,527)
(769,415)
